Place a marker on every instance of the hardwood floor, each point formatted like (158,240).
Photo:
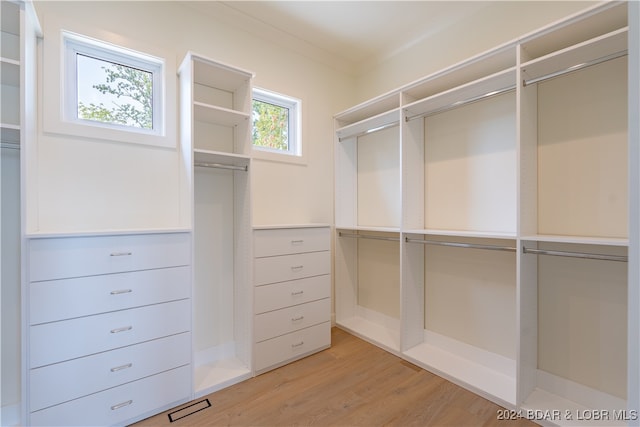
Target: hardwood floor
(351,384)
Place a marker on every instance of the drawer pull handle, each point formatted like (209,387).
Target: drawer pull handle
(123,329)
(121,405)
(124,253)
(295,319)
(121,291)
(297,242)
(297,267)
(120,368)
(297,293)
(297,344)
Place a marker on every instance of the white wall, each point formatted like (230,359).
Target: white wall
(75,186)
(497,23)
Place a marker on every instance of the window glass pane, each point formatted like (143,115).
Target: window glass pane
(114,93)
(270,126)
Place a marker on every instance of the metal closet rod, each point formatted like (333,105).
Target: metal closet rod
(462,245)
(368,131)
(575,67)
(368,236)
(583,255)
(461,103)
(10,145)
(221,166)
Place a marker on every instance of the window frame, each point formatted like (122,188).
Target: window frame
(295,152)
(60,99)
(75,45)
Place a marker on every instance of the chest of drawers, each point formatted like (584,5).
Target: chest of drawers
(292,294)
(108,327)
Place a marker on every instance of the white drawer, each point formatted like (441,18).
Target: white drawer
(280,322)
(291,346)
(59,341)
(284,294)
(291,267)
(61,382)
(117,405)
(68,298)
(284,241)
(61,258)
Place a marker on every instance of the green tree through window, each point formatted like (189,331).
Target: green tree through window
(127,92)
(270,126)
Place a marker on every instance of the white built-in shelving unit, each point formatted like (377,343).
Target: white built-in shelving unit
(19,28)
(215,139)
(482,220)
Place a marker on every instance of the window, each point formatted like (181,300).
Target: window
(113,87)
(276,123)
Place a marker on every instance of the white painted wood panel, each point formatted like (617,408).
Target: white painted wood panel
(290,319)
(582,152)
(59,341)
(291,267)
(117,405)
(378,179)
(291,346)
(58,258)
(61,382)
(286,241)
(284,294)
(85,296)
(470,167)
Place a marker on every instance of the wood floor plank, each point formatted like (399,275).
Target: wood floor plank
(353,383)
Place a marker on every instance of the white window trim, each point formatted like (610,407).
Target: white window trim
(296,155)
(60,97)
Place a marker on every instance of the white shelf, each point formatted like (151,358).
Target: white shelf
(546,408)
(367,228)
(384,336)
(218,75)
(462,233)
(9,133)
(10,72)
(495,378)
(218,375)
(470,92)
(207,156)
(599,241)
(218,115)
(575,56)
(372,124)
(375,107)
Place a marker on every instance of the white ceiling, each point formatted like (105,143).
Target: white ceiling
(351,35)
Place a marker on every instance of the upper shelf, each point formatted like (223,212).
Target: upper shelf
(217,75)
(607,46)
(494,84)
(376,107)
(371,124)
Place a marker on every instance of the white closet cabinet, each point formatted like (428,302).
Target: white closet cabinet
(19,31)
(215,139)
(108,332)
(494,204)
(292,295)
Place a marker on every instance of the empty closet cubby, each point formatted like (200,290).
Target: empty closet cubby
(574,199)
(368,285)
(10,83)
(215,136)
